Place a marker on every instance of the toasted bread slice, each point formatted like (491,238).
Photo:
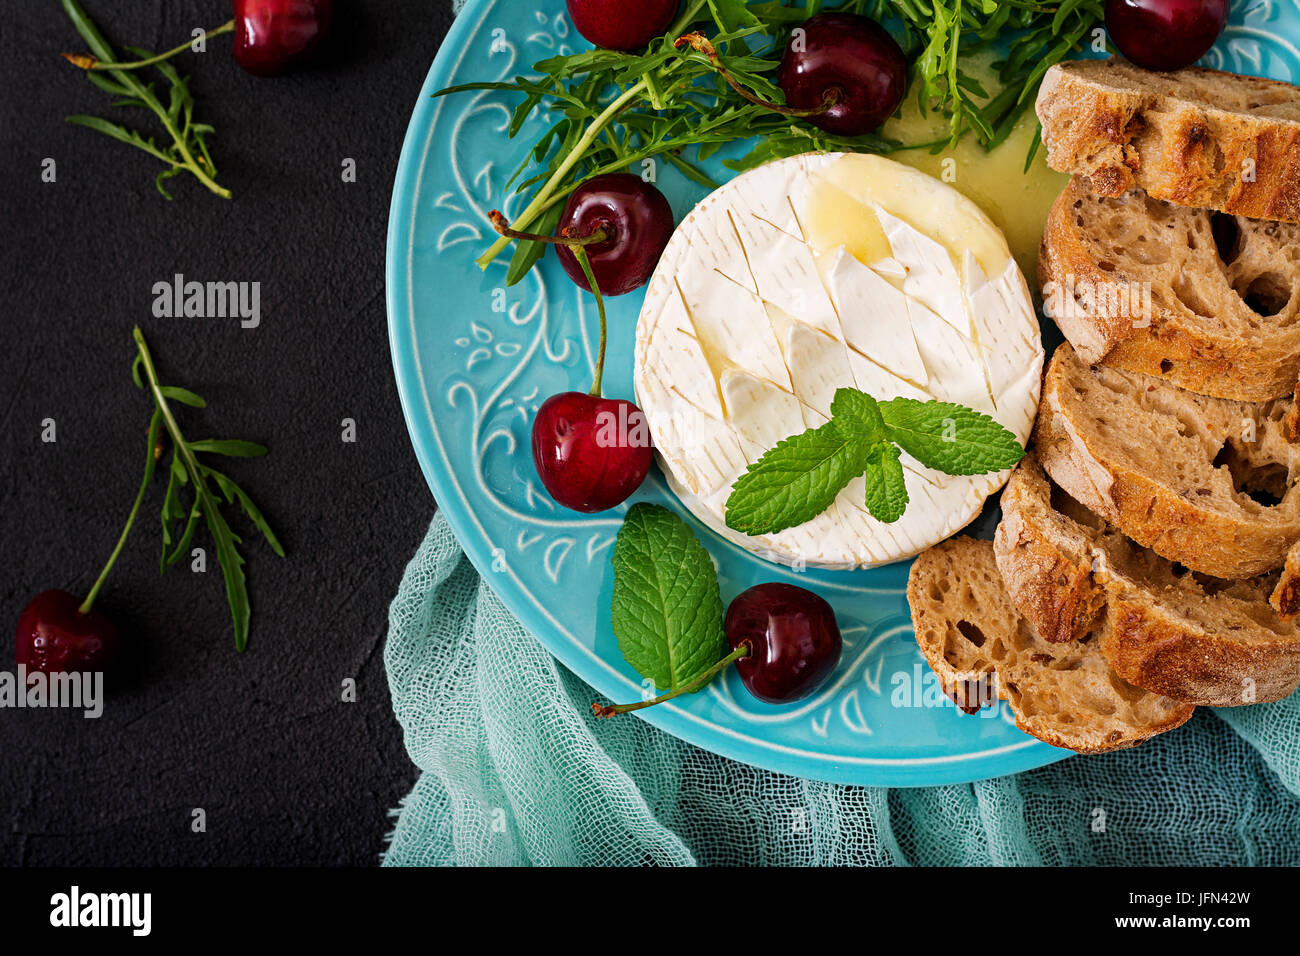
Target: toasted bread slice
(1205,301)
(979,645)
(1198,640)
(1177,472)
(1195,137)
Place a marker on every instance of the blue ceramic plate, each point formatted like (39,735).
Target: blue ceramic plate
(474,360)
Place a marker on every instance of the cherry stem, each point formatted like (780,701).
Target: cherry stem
(609,710)
(576,244)
(700,44)
(580,254)
(502,225)
(155,426)
(87,62)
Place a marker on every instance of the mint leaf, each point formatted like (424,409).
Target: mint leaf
(857,410)
(950,438)
(667,612)
(886,492)
(797,480)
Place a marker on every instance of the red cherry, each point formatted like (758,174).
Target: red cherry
(1165,34)
(638,220)
(54,636)
(274,36)
(591,453)
(619,25)
(794,641)
(852,57)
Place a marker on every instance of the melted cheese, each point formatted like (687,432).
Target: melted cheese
(1015,198)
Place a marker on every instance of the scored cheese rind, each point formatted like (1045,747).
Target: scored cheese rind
(873,317)
(810,274)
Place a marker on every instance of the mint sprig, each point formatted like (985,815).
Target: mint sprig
(800,478)
(667,611)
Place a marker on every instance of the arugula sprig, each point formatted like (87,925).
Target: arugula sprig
(614,110)
(188,151)
(186,470)
(800,478)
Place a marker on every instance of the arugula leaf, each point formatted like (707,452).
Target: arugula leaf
(171,512)
(234,448)
(182,395)
(950,438)
(887,496)
(667,611)
(89,32)
(732,14)
(235,493)
(796,481)
(232,562)
(183,545)
(527,254)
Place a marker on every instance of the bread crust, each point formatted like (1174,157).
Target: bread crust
(1053,589)
(1190,137)
(1170,521)
(1162,656)
(1171,343)
(1160,630)
(1052,586)
(1285,598)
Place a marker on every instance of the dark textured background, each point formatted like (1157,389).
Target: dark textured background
(286,772)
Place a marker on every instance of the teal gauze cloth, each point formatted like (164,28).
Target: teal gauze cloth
(517,770)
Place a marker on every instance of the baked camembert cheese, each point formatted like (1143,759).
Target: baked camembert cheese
(813,273)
